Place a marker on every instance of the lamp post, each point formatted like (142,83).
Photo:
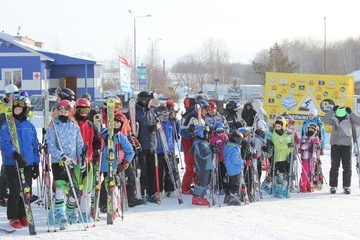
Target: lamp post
(152,58)
(135,67)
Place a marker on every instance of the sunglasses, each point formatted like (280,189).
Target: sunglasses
(19,103)
(83,111)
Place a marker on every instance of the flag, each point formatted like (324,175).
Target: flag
(125,73)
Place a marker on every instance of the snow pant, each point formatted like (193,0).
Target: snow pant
(223,178)
(190,167)
(3,182)
(203,167)
(147,176)
(340,153)
(234,184)
(305,175)
(15,204)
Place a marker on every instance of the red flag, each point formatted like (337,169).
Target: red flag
(125,62)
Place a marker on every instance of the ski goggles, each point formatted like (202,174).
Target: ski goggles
(83,110)
(63,105)
(19,103)
(219,131)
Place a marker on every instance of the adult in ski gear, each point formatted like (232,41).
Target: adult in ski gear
(213,117)
(248,114)
(310,144)
(93,143)
(187,137)
(282,144)
(341,142)
(28,158)
(93,111)
(65,94)
(231,116)
(234,164)
(203,160)
(313,118)
(65,144)
(146,121)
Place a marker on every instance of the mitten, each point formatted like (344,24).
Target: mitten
(21,161)
(348,110)
(66,160)
(153,128)
(122,166)
(35,171)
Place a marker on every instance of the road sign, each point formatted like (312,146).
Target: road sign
(217,80)
(141,70)
(142,81)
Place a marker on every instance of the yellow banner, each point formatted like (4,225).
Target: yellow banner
(297,93)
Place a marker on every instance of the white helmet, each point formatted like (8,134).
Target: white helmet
(11,88)
(262,125)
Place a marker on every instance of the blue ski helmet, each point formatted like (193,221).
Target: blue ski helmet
(200,131)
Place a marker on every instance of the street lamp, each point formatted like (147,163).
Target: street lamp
(152,57)
(135,17)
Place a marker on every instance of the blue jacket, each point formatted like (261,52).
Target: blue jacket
(168,130)
(70,137)
(233,160)
(28,143)
(317,121)
(125,147)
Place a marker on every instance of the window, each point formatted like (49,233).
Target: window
(12,76)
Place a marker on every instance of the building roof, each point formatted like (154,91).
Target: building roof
(57,57)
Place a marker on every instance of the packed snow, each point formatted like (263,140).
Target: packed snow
(319,215)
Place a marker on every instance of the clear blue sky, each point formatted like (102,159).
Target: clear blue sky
(247,27)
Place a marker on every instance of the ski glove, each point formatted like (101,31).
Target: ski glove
(153,128)
(21,161)
(35,171)
(215,149)
(66,160)
(291,144)
(122,166)
(348,110)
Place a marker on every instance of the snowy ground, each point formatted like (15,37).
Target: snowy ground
(319,215)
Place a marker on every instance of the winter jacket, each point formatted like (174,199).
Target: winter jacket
(202,154)
(248,115)
(168,131)
(146,117)
(220,141)
(317,121)
(231,119)
(70,137)
(28,143)
(90,137)
(189,123)
(233,160)
(210,121)
(123,150)
(280,145)
(341,131)
(308,146)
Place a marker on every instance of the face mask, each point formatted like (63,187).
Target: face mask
(280,132)
(309,133)
(63,118)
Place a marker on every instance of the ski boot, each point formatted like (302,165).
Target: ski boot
(333,190)
(59,216)
(347,190)
(87,217)
(200,200)
(72,218)
(234,200)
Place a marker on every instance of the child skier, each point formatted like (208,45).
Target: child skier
(65,145)
(282,144)
(217,141)
(28,158)
(310,145)
(203,160)
(234,164)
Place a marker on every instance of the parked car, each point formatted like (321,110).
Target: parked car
(254,96)
(213,95)
(38,109)
(35,99)
(231,97)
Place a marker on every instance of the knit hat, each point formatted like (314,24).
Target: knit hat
(212,104)
(313,111)
(340,112)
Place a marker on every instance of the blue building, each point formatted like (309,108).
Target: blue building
(26,64)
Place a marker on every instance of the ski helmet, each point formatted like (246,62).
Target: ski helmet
(82,106)
(163,113)
(244,131)
(261,125)
(236,136)
(200,131)
(143,98)
(219,128)
(25,104)
(86,95)
(11,88)
(313,126)
(63,104)
(118,103)
(66,94)
(232,106)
